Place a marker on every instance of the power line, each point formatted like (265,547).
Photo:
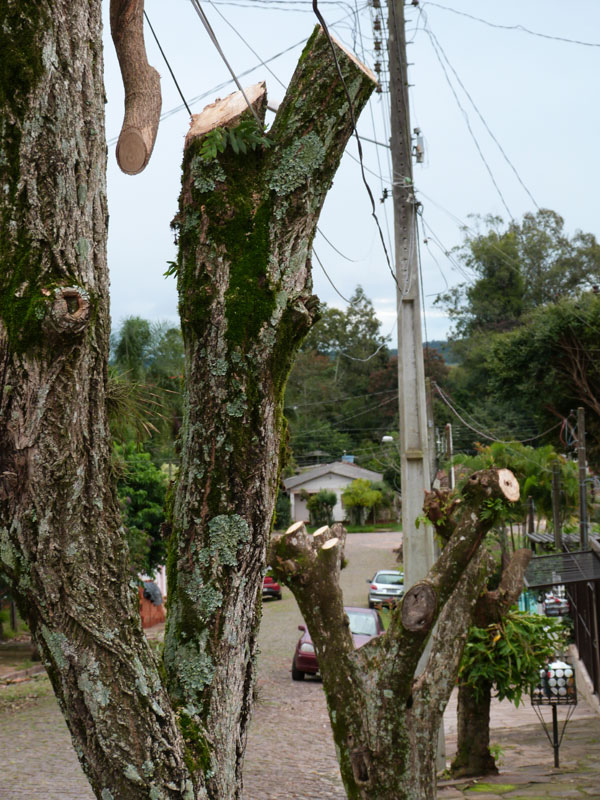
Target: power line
(482,118)
(521,28)
(162,52)
(358,142)
(320,263)
(433,41)
(215,41)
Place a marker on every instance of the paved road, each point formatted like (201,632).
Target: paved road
(290,752)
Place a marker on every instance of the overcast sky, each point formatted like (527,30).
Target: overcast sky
(537,95)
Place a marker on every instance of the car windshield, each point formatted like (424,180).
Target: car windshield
(362,624)
(393,578)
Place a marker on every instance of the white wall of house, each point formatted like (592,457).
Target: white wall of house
(332,483)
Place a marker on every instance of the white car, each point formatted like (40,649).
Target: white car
(387,587)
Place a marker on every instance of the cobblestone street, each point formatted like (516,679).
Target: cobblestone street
(290,753)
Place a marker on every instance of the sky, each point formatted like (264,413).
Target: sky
(535,92)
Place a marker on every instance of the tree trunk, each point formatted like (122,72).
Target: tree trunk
(473,755)
(246,228)
(384,713)
(246,223)
(61,540)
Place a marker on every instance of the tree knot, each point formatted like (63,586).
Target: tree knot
(70,310)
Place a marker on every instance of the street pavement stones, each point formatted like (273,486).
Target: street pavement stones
(290,753)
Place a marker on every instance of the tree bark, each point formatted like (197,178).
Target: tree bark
(473,756)
(61,540)
(142,86)
(384,716)
(245,226)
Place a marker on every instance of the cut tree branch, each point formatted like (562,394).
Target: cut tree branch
(142,86)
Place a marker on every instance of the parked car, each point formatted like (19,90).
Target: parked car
(364,626)
(271,588)
(387,587)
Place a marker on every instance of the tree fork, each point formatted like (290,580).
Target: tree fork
(248,212)
(383,716)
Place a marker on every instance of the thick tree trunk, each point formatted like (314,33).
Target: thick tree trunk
(473,755)
(61,541)
(246,228)
(384,716)
(245,224)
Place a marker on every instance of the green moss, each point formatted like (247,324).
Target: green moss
(197,750)
(22,306)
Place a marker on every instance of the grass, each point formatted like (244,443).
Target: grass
(17,695)
(388,526)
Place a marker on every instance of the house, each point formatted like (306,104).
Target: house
(334,477)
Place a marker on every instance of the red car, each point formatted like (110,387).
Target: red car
(365,624)
(271,588)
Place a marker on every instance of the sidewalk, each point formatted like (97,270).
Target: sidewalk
(526,762)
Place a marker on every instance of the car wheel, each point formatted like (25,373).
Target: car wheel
(297,675)
(371,605)
(278,596)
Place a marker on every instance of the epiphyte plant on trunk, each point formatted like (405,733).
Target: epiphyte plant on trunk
(245,226)
(384,712)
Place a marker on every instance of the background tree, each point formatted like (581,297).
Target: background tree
(359,498)
(504,655)
(384,716)
(320,507)
(519,268)
(141,488)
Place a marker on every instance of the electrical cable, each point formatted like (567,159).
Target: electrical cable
(320,263)
(358,142)
(489,436)
(162,52)
(482,118)
(215,41)
(433,41)
(513,27)
(249,46)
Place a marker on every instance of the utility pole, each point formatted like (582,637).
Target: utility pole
(450,455)
(556,506)
(583,521)
(417,543)
(414,446)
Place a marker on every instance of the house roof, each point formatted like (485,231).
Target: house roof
(342,468)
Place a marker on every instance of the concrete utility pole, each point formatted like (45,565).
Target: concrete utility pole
(581,458)
(417,542)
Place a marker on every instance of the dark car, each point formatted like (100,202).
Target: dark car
(364,626)
(271,588)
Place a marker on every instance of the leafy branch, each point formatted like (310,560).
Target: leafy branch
(246,136)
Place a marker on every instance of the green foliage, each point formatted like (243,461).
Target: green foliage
(326,395)
(283,512)
(509,654)
(518,268)
(320,507)
(533,469)
(359,497)
(141,488)
(245,136)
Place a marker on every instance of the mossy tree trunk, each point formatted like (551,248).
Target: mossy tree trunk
(473,755)
(61,540)
(384,713)
(246,303)
(245,227)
